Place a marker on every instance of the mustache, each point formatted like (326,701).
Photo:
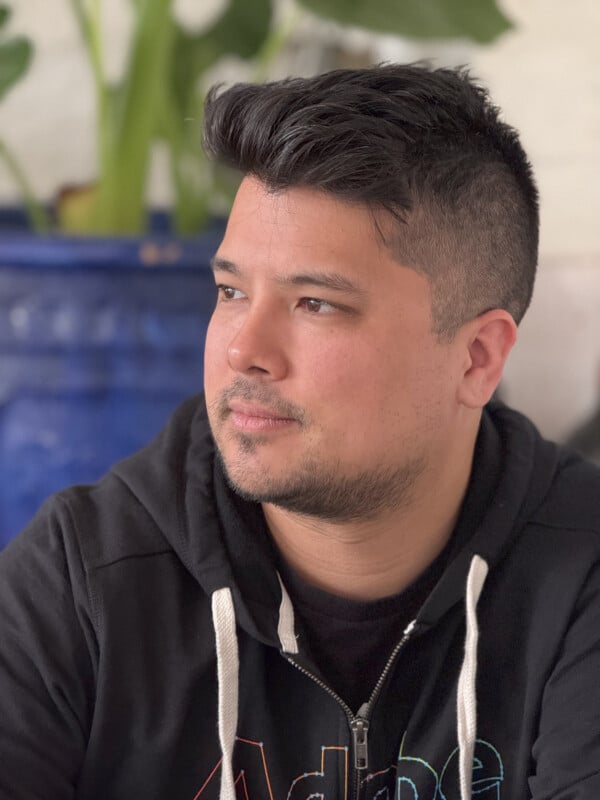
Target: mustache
(244,389)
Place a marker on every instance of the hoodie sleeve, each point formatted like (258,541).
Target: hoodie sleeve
(567,750)
(47,660)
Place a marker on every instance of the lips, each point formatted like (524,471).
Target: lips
(248,417)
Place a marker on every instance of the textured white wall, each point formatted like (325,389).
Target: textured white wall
(545,75)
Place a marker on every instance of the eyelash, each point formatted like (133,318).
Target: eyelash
(304,302)
(222,290)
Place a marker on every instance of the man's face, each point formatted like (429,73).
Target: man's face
(327,392)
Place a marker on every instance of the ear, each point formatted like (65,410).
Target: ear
(489,339)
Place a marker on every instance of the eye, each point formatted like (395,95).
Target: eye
(229,293)
(315,306)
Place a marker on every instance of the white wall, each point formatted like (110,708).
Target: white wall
(545,75)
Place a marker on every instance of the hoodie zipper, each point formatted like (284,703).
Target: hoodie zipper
(359,724)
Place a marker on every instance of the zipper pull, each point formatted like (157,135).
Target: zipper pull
(360,730)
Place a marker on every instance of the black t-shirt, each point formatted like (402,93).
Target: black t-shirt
(351,641)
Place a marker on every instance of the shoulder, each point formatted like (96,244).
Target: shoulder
(556,486)
(572,501)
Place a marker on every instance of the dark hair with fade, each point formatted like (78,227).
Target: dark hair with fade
(426,145)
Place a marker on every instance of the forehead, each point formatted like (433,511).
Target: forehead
(301,225)
(302,237)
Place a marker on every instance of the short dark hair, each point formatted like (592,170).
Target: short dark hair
(426,145)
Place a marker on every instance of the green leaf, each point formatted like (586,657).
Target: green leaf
(479,20)
(132,114)
(243,27)
(5,14)
(15,57)
(240,31)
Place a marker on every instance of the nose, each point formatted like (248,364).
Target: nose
(258,346)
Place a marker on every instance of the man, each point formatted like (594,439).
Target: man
(343,575)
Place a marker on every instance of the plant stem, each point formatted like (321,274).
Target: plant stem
(80,15)
(91,32)
(95,40)
(274,44)
(188,164)
(40,222)
(89,18)
(121,191)
(96,52)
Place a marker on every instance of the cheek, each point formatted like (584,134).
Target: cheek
(215,355)
(357,365)
(347,382)
(328,363)
(380,384)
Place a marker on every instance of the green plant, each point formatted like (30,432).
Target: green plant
(160,96)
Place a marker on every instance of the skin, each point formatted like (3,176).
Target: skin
(331,400)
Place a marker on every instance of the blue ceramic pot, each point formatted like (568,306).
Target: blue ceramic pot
(99,340)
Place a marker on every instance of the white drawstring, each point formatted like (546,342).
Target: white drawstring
(466,693)
(228,667)
(223,613)
(286,629)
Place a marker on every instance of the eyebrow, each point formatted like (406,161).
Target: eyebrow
(223,265)
(326,280)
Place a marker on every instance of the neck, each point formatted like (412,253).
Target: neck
(371,559)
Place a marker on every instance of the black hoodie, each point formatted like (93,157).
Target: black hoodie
(148,648)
